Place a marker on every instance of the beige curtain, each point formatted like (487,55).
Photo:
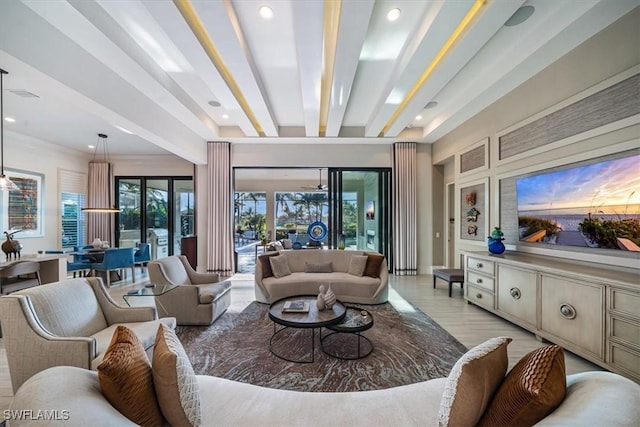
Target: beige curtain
(220,209)
(404,209)
(99,194)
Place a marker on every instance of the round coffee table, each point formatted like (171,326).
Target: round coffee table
(355,321)
(311,319)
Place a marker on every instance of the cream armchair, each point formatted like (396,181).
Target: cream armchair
(67,323)
(199,299)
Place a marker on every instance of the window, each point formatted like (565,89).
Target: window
(295,211)
(250,214)
(73,224)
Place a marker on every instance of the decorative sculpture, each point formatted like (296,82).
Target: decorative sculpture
(11,246)
(329,298)
(494,241)
(320,300)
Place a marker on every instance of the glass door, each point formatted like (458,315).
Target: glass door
(359,201)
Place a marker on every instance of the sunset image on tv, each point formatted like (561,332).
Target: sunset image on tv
(596,205)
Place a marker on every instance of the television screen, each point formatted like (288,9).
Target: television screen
(595,205)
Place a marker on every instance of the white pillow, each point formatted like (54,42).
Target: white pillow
(279,266)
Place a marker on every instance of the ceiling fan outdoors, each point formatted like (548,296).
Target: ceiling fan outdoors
(319,187)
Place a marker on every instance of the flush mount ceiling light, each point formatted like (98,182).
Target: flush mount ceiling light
(519,16)
(393,15)
(5,183)
(102,139)
(266,12)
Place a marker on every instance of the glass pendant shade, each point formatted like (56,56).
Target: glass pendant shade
(6,184)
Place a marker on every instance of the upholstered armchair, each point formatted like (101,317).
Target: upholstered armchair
(198,299)
(67,323)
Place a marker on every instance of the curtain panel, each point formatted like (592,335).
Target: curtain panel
(220,209)
(99,194)
(405,246)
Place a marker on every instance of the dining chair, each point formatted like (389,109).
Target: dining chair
(115,259)
(142,255)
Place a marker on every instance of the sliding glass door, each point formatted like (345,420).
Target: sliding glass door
(359,201)
(156,210)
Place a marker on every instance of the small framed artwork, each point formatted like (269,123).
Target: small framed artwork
(370,210)
(22,210)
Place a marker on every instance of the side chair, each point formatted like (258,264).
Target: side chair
(115,259)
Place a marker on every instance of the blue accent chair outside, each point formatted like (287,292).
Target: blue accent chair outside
(142,255)
(115,259)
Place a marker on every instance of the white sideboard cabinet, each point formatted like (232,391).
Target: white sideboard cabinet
(592,310)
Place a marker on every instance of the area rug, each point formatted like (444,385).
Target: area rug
(409,347)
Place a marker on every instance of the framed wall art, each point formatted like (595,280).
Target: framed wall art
(22,211)
(474,215)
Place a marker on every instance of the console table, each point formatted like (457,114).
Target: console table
(53,267)
(593,310)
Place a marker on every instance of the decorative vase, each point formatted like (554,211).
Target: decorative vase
(320,300)
(97,243)
(494,242)
(341,242)
(329,298)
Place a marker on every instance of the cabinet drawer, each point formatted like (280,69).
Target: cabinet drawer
(480,280)
(625,359)
(517,296)
(481,265)
(573,311)
(626,302)
(626,331)
(479,296)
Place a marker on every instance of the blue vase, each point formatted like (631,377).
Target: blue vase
(495,245)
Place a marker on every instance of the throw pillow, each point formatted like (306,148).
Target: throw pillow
(323,267)
(266,264)
(287,243)
(534,387)
(126,380)
(374,262)
(279,266)
(175,382)
(357,265)
(472,382)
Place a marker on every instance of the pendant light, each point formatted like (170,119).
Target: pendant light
(102,139)
(5,183)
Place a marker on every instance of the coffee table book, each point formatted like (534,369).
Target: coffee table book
(297,306)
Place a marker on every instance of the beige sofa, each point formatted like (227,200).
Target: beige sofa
(199,299)
(67,323)
(592,399)
(347,287)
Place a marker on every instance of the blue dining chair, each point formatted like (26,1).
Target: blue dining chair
(78,265)
(142,255)
(115,259)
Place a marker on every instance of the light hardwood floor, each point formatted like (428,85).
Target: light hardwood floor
(468,323)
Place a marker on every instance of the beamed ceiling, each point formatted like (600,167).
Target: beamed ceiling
(163,76)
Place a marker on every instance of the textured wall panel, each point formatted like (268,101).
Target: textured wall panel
(472,159)
(614,103)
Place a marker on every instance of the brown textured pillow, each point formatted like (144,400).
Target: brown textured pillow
(534,387)
(374,262)
(126,380)
(472,382)
(174,380)
(266,265)
(323,267)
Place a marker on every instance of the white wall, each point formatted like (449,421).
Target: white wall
(608,54)
(25,153)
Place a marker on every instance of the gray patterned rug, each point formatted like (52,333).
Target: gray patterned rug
(409,347)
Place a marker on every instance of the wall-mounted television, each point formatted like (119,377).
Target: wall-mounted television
(593,205)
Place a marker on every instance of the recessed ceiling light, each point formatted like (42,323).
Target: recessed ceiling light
(519,16)
(393,14)
(225,116)
(418,117)
(91,147)
(432,104)
(266,12)
(214,103)
(9,119)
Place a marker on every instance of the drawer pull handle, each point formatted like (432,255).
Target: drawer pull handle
(479,265)
(515,293)
(567,311)
(479,296)
(478,280)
